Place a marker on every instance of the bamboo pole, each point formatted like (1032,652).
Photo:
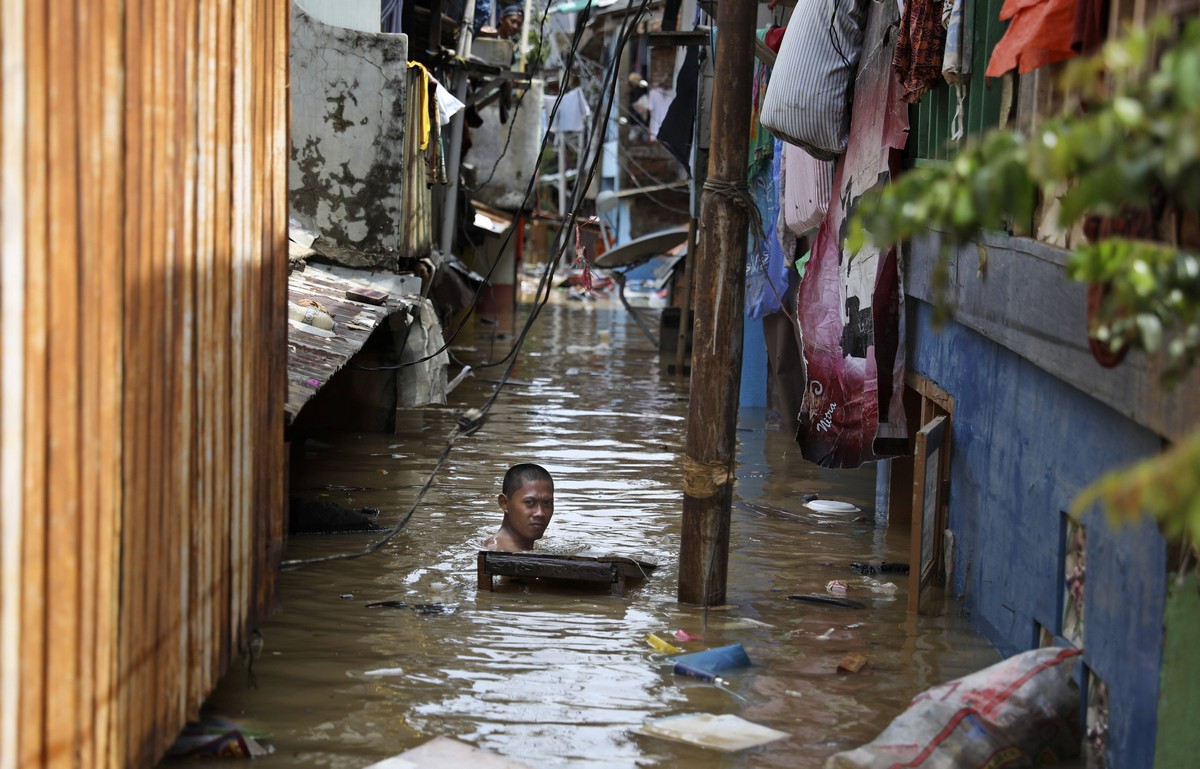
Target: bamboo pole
(717,347)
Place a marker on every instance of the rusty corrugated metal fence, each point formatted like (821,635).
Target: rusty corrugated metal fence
(142,325)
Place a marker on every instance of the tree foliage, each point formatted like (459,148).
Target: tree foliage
(1128,140)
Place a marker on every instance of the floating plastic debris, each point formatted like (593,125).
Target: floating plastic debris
(384,672)
(662,646)
(832,506)
(836,586)
(706,664)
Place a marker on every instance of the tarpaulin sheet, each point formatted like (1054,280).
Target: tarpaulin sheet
(850,308)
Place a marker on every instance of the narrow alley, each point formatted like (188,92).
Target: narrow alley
(559,676)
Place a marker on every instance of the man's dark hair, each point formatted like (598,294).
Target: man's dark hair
(518,475)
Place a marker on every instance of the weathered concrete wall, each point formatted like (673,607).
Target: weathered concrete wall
(349,97)
(514,166)
(362,15)
(1025,443)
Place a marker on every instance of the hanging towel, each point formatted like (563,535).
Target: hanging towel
(424,91)
(919,46)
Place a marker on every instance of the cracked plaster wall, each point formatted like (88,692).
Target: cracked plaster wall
(349,92)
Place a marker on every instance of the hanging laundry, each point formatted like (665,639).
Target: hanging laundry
(1040,32)
(919,48)
(676,128)
(423,90)
(762,141)
(767,271)
(573,112)
(956,62)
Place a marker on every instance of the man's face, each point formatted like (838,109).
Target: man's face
(509,26)
(529,510)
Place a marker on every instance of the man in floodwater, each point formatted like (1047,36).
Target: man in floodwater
(527,499)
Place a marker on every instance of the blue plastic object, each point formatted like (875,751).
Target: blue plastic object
(707,664)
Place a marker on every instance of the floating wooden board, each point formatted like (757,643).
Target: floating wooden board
(611,569)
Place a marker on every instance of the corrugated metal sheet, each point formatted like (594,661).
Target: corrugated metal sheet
(144,351)
(315,354)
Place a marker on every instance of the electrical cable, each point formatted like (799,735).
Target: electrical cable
(546,283)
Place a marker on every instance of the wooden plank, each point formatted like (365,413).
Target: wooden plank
(927,498)
(1028,305)
(277,289)
(111,340)
(175,422)
(92,266)
(219,526)
(155,288)
(13,364)
(200,642)
(551,567)
(63,508)
(186,467)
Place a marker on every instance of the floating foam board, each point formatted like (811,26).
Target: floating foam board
(443,752)
(727,733)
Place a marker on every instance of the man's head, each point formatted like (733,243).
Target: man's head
(527,499)
(509,25)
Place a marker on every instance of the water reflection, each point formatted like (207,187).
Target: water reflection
(555,676)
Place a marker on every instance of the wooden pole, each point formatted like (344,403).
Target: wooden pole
(720,273)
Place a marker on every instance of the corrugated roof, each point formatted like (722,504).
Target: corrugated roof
(314,354)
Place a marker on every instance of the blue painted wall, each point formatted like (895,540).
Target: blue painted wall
(753,393)
(1025,444)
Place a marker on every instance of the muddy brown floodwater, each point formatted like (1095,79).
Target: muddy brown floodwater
(558,677)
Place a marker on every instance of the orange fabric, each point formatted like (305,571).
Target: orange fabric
(1039,32)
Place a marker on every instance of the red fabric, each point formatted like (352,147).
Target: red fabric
(774,38)
(1040,32)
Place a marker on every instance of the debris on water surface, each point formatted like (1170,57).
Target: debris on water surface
(727,732)
(214,737)
(384,672)
(836,586)
(851,663)
(661,645)
(683,635)
(419,608)
(706,664)
(848,603)
(872,569)
(442,752)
